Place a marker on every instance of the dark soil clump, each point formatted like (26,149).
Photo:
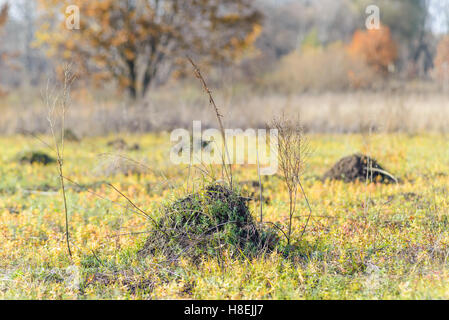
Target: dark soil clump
(358,167)
(70,135)
(206,223)
(121,144)
(36,157)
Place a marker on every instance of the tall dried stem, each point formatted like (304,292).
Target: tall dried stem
(227,169)
(292,152)
(53,101)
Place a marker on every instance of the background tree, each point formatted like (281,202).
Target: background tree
(133,41)
(3,14)
(32,60)
(288,23)
(405,18)
(3,18)
(25,63)
(408,21)
(442,61)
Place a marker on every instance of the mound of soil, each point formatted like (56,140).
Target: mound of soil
(121,144)
(36,157)
(196,145)
(71,136)
(118,144)
(358,167)
(205,223)
(134,147)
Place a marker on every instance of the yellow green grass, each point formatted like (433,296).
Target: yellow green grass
(363,242)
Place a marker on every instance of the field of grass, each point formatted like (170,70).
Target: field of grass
(364,241)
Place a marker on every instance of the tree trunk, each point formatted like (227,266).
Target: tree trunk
(132,91)
(132,77)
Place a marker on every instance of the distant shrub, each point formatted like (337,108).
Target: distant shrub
(375,47)
(331,68)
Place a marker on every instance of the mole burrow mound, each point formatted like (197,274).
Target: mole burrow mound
(70,135)
(33,157)
(122,145)
(359,167)
(207,222)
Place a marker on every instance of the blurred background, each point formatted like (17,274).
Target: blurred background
(315,59)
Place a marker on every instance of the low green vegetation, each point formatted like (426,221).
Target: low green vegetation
(363,241)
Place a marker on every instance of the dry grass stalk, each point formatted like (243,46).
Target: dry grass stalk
(61,100)
(292,152)
(260,185)
(227,169)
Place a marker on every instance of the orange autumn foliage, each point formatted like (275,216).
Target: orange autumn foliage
(3,14)
(441,61)
(375,47)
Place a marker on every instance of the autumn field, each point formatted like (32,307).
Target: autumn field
(363,241)
(224,150)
